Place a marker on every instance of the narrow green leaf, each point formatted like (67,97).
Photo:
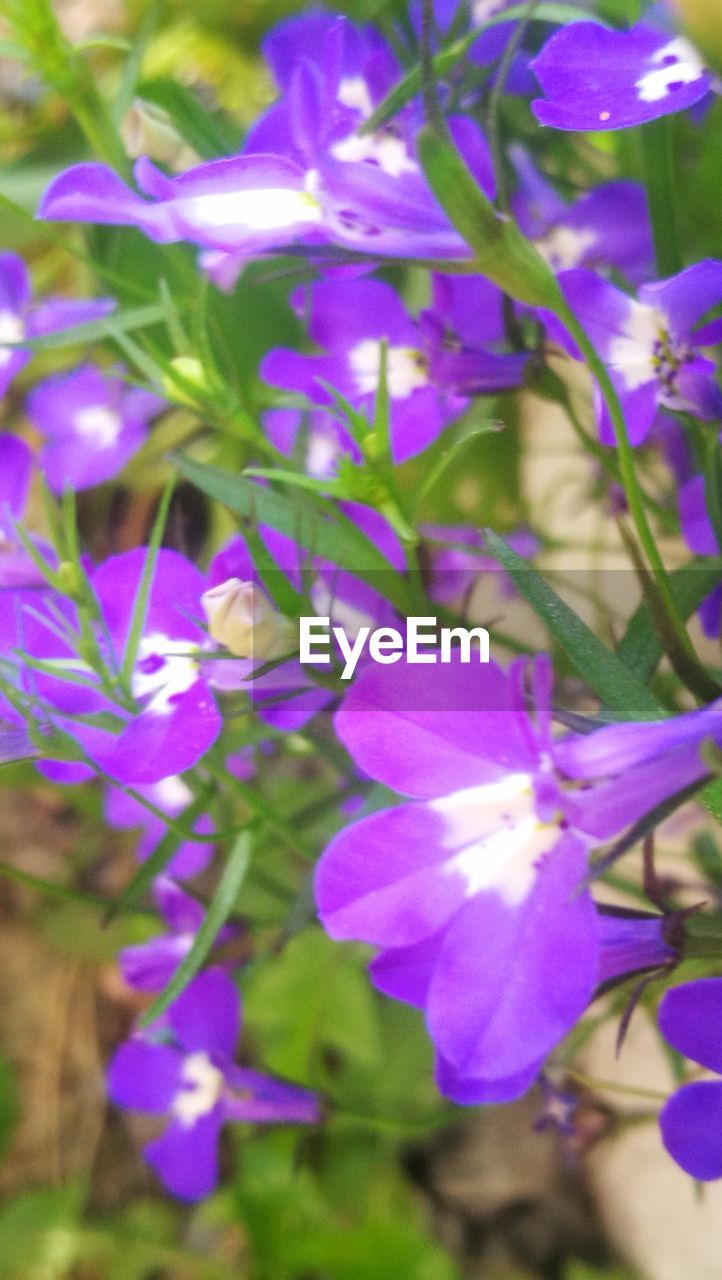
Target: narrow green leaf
(209,135)
(161,855)
(220,908)
(500,250)
(311,521)
(141,601)
(640,649)
(602,670)
(97,330)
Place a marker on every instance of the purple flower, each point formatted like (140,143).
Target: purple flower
(166,717)
(193,1079)
(690,1018)
(17,569)
(650,343)
(472,890)
(149,966)
(93,423)
(606,227)
(350,320)
(594,78)
(430,373)
(20,318)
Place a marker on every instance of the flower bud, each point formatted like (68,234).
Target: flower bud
(147,131)
(243,620)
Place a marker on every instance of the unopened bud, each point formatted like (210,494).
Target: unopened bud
(243,620)
(190,384)
(147,130)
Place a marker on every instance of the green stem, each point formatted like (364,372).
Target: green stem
(660,180)
(628,474)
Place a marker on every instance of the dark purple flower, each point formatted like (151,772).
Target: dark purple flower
(190,1076)
(690,1018)
(472,890)
(651,343)
(605,227)
(21,318)
(594,78)
(166,718)
(93,423)
(149,966)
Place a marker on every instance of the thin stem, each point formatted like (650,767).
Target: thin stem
(432,108)
(628,475)
(660,180)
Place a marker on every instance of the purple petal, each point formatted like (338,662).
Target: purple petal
(471,1091)
(172,738)
(14,283)
(94,193)
(696,525)
(691,1124)
(149,966)
(207,1014)
(686,297)
(458,729)
(55,314)
(690,1018)
(16,465)
(594,78)
(268,1101)
(185,1158)
(144,1076)
(513,977)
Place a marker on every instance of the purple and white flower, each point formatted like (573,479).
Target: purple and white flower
(149,966)
(193,1080)
(593,78)
(93,424)
(22,318)
(651,344)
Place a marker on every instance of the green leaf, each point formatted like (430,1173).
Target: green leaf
(314,996)
(161,855)
(602,670)
(208,134)
(222,904)
(311,521)
(640,649)
(97,330)
(500,250)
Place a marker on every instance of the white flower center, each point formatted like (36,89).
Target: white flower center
(497,835)
(631,352)
(99,424)
(405,368)
(563,247)
(172,794)
(12,329)
(674,64)
(262,209)
(202,1085)
(384,149)
(353,92)
(162,671)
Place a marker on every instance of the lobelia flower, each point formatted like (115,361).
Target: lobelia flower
(172,718)
(93,424)
(472,890)
(430,374)
(305,178)
(650,343)
(593,78)
(690,1018)
(190,1076)
(606,227)
(21,318)
(149,966)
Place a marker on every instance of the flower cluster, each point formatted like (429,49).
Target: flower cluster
(441,277)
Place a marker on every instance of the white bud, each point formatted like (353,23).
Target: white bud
(241,618)
(147,130)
